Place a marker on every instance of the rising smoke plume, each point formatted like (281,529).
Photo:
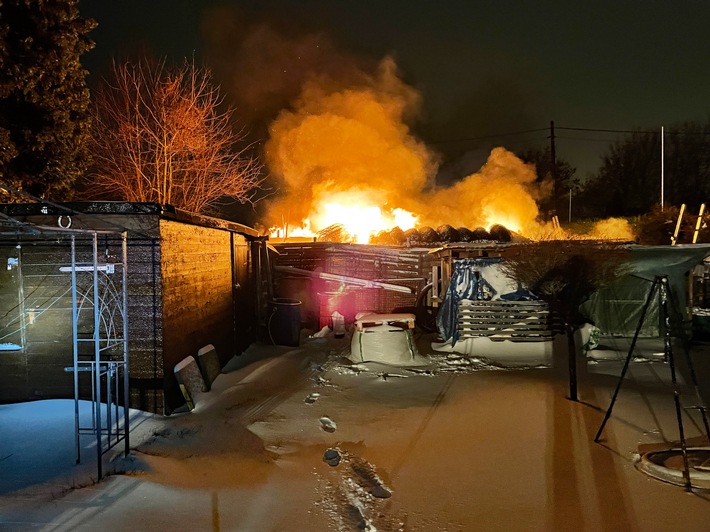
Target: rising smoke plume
(355,144)
(340,135)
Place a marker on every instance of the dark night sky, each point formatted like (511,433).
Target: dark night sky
(483,68)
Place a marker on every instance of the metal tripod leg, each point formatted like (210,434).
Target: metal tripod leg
(665,295)
(646,305)
(668,349)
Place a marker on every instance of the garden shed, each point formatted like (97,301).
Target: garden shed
(190,281)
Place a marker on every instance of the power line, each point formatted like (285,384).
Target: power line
(606,130)
(652,132)
(583,139)
(584,129)
(511,133)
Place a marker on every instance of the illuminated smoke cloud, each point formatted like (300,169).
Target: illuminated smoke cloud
(499,193)
(339,135)
(350,141)
(353,146)
(612,228)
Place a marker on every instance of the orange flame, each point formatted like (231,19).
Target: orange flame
(346,156)
(358,214)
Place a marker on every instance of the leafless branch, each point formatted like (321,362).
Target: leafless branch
(160,136)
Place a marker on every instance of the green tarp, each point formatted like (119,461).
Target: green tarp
(616,309)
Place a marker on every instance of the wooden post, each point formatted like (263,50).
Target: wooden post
(674,238)
(698,223)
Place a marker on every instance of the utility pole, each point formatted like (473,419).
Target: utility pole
(553,168)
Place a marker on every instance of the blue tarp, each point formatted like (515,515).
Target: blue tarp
(468,282)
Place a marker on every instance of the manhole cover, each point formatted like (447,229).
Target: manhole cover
(668,465)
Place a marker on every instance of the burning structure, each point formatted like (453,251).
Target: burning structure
(353,173)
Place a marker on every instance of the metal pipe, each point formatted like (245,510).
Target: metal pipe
(97,358)
(365,283)
(75,348)
(126,374)
(662,165)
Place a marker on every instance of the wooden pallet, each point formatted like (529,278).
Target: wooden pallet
(520,321)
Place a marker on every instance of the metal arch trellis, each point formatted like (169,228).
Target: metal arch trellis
(106,360)
(101,366)
(108,364)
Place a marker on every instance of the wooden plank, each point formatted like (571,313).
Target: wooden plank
(506,327)
(518,321)
(489,311)
(504,319)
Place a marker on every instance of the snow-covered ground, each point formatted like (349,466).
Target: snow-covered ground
(305,439)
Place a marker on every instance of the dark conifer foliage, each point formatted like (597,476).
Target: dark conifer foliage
(44,100)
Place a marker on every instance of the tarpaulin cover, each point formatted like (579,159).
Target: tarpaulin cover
(385,344)
(474,279)
(617,308)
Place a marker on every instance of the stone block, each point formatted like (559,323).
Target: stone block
(190,380)
(209,364)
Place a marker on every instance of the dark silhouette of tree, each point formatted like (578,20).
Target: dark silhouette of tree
(44,101)
(542,160)
(564,273)
(160,135)
(629,180)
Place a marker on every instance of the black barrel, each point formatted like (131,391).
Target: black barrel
(284,325)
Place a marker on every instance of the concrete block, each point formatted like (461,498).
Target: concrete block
(208,361)
(190,380)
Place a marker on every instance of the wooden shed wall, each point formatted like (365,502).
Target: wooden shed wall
(394,265)
(197,295)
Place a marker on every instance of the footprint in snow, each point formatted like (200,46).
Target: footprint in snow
(328,424)
(312,398)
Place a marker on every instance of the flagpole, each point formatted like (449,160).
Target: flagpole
(662,165)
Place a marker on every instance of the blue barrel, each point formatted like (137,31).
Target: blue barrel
(284,324)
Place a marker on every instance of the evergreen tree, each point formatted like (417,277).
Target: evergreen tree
(44,100)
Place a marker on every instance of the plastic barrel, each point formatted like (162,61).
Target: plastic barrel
(284,323)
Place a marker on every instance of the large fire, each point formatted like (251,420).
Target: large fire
(348,160)
(356,211)
(358,214)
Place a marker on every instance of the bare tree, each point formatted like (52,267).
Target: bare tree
(160,136)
